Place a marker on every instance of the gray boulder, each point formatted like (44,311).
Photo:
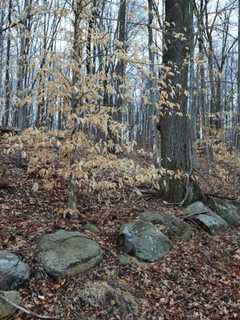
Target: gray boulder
(196,208)
(227,210)
(66,253)
(169,224)
(205,218)
(144,241)
(7,311)
(13,272)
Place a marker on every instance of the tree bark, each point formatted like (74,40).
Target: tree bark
(237,117)
(174,121)
(7,74)
(23,114)
(1,48)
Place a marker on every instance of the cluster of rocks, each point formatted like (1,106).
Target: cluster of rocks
(62,254)
(148,238)
(13,274)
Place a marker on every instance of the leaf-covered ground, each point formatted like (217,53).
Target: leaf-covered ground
(199,279)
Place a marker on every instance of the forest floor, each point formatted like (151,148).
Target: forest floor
(198,279)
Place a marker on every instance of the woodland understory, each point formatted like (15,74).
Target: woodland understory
(108,110)
(198,279)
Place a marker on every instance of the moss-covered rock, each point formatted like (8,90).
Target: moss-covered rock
(205,218)
(227,210)
(13,272)
(7,311)
(144,241)
(169,224)
(66,253)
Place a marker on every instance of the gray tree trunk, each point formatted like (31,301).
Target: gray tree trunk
(7,73)
(237,117)
(1,48)
(23,114)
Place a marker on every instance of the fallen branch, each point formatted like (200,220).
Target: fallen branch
(216,195)
(26,311)
(148,192)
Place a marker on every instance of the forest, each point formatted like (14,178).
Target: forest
(119,162)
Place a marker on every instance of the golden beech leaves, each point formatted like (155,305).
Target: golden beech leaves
(57,156)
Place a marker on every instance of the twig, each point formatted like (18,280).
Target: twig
(26,311)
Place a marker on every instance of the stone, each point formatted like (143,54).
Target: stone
(169,224)
(67,253)
(196,208)
(13,272)
(206,218)
(212,223)
(144,241)
(112,297)
(227,210)
(124,259)
(7,311)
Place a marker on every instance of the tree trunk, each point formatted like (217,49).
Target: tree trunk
(22,115)
(174,121)
(121,64)
(7,74)
(1,48)
(77,53)
(237,117)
